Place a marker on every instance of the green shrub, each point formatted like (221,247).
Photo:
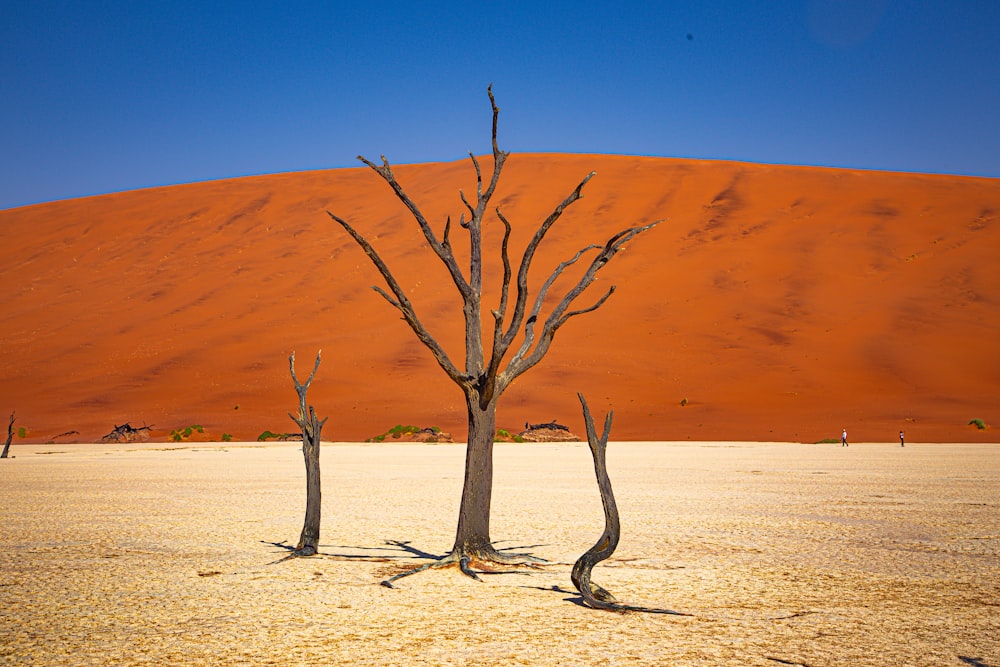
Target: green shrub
(684,402)
(978,423)
(22,432)
(504,433)
(267,435)
(398,431)
(183,434)
(226,437)
(828,441)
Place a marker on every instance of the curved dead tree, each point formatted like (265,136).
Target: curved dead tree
(311,427)
(593,595)
(496,355)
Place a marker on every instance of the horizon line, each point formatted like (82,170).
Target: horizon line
(303,170)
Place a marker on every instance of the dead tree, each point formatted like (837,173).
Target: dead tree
(311,427)
(487,371)
(10,436)
(593,595)
(127,433)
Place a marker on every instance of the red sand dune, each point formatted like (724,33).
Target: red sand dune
(783,303)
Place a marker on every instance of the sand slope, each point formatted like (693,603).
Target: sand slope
(782,302)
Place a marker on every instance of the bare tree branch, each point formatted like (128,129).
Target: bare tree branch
(559,314)
(529,326)
(529,254)
(402,303)
(442,250)
(496,355)
(301,389)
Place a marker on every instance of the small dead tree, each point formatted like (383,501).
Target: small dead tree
(593,595)
(311,427)
(487,371)
(10,436)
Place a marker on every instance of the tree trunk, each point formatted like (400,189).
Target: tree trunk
(309,539)
(10,436)
(473,535)
(311,427)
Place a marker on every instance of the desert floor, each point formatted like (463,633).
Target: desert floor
(783,554)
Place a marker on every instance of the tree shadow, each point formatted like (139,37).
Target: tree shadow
(975,662)
(574,596)
(397,550)
(519,548)
(407,547)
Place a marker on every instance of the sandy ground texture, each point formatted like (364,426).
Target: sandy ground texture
(783,554)
(777,303)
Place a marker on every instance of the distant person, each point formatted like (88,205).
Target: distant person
(843,439)
(901,442)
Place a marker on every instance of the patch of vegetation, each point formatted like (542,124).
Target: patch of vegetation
(399,430)
(22,432)
(227,437)
(684,402)
(504,434)
(177,435)
(268,435)
(828,441)
(978,423)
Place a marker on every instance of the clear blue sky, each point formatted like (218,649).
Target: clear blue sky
(100,97)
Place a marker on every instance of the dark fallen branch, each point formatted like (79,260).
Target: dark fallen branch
(127,433)
(782,661)
(553,425)
(593,595)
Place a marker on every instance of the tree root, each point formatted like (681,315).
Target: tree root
(598,598)
(482,561)
(294,552)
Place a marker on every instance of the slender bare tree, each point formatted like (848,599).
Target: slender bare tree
(311,427)
(489,367)
(10,436)
(593,595)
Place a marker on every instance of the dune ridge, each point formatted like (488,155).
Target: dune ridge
(778,303)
